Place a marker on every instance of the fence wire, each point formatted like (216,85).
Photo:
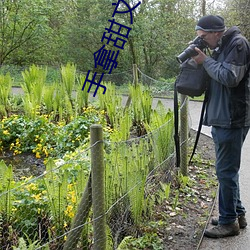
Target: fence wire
(158,87)
(44,210)
(48,203)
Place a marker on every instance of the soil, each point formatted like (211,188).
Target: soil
(186,223)
(24,164)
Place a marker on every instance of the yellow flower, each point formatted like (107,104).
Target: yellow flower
(12,145)
(26,178)
(45,151)
(38,155)
(102,112)
(16,152)
(69,211)
(31,187)
(37,196)
(6,132)
(14,209)
(73,199)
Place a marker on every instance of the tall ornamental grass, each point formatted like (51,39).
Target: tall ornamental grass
(33,85)
(5,90)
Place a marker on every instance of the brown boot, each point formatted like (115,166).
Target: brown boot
(221,231)
(241,219)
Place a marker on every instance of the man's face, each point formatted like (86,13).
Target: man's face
(211,38)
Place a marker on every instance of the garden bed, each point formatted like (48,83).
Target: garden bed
(181,215)
(186,224)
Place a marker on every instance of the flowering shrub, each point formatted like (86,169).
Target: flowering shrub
(46,138)
(30,204)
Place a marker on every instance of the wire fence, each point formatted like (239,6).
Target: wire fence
(55,210)
(48,204)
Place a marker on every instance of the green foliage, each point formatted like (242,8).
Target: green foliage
(126,172)
(50,200)
(141,104)
(57,188)
(82,96)
(93,16)
(43,32)
(164,191)
(176,199)
(122,127)
(15,71)
(114,108)
(5,89)
(43,137)
(29,245)
(161,126)
(147,241)
(163,87)
(55,196)
(30,206)
(33,85)
(68,73)
(23,25)
(6,184)
(48,98)
(184,181)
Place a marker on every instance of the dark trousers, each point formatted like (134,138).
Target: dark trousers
(228,145)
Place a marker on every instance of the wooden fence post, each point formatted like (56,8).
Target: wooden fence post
(98,195)
(80,218)
(135,81)
(135,74)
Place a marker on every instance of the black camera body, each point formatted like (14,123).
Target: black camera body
(190,51)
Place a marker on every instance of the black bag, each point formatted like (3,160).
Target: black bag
(192,80)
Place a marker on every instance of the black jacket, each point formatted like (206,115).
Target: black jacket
(229,90)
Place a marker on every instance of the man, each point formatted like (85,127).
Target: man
(228,112)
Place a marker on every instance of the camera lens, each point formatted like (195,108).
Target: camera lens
(190,51)
(187,53)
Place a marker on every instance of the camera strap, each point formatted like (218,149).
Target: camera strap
(176,127)
(199,127)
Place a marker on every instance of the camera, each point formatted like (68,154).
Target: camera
(190,51)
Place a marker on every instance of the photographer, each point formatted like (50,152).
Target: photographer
(228,112)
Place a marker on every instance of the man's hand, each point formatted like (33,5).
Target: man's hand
(200,58)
